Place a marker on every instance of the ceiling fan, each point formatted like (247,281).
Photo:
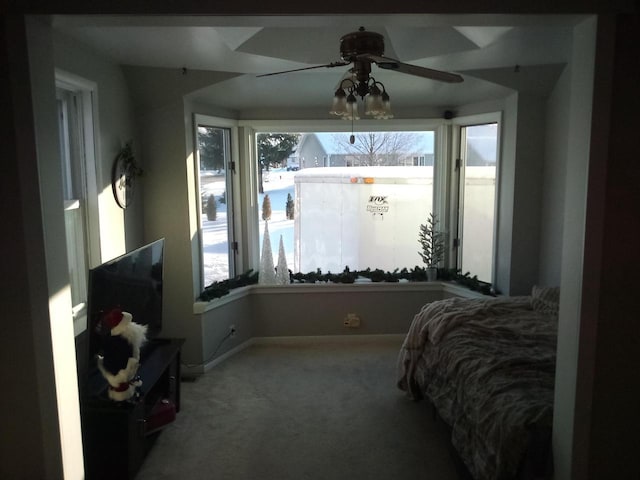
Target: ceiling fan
(362,48)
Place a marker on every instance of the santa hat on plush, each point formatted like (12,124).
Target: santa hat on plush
(121,353)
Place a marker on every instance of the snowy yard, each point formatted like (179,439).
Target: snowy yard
(215,234)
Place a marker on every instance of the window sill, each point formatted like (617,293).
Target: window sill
(448,288)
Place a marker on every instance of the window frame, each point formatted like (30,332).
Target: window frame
(87,181)
(454,214)
(234,227)
(255,127)
(246,209)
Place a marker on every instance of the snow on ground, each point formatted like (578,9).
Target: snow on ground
(215,234)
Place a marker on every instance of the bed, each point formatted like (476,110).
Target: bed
(488,367)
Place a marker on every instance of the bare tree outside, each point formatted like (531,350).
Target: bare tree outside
(379,148)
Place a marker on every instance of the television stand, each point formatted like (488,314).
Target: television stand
(118,435)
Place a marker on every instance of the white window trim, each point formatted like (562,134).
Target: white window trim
(309,126)
(236,179)
(88,89)
(265,126)
(466,121)
(447,149)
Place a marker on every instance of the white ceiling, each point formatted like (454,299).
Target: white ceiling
(484,49)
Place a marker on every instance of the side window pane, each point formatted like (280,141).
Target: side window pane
(70,121)
(478,197)
(354,204)
(215,217)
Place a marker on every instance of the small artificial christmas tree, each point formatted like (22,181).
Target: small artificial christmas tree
(267,273)
(282,272)
(433,245)
(289,207)
(212,208)
(266,208)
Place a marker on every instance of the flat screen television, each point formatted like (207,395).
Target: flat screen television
(132,282)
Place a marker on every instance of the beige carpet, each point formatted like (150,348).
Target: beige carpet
(302,411)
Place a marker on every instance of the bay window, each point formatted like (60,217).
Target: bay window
(335,199)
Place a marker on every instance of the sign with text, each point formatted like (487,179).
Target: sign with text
(378,205)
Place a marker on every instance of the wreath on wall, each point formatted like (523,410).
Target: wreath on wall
(123,175)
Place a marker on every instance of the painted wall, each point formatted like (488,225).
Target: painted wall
(67,448)
(216,324)
(519,193)
(527,189)
(506,195)
(579,131)
(313,310)
(30,420)
(120,230)
(554,173)
(606,413)
(168,195)
(321,311)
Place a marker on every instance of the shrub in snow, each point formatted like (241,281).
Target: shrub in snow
(266,208)
(289,207)
(212,208)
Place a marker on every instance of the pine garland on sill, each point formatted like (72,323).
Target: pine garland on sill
(417,274)
(223,287)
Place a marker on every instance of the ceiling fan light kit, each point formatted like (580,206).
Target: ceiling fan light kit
(362,48)
(376,102)
(339,105)
(352,108)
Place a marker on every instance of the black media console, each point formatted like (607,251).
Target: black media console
(118,435)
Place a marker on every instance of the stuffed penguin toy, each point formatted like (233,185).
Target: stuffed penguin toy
(121,354)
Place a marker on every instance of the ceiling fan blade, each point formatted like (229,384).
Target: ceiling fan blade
(392,64)
(329,65)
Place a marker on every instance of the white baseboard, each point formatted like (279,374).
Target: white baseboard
(188,370)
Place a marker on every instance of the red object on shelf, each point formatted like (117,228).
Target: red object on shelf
(162,414)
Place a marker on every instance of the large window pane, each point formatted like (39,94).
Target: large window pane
(215,197)
(357,204)
(478,197)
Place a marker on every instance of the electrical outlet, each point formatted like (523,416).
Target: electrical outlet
(352,320)
(232,331)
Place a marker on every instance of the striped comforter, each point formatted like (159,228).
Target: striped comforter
(488,366)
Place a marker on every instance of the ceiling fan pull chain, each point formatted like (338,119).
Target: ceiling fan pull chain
(352,138)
